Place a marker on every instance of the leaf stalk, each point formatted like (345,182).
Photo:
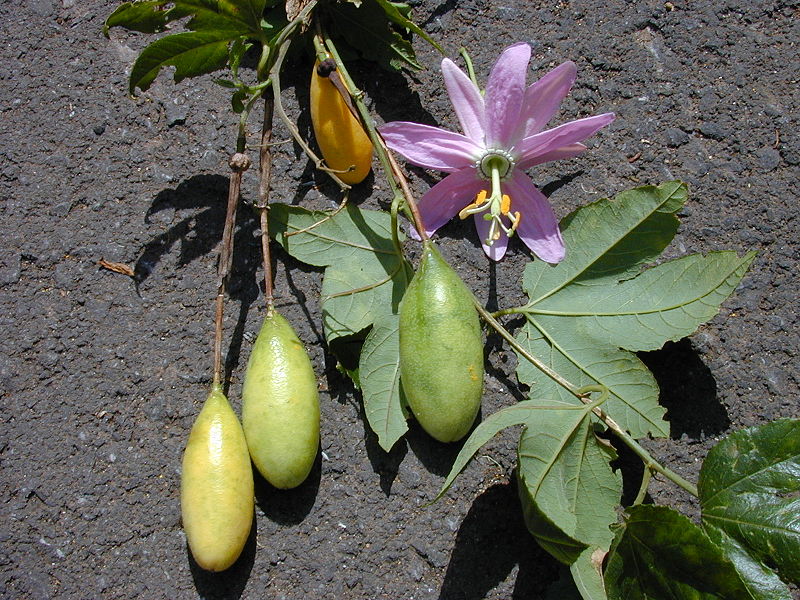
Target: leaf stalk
(650,463)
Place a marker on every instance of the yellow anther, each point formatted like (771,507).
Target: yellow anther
(505,205)
(475,207)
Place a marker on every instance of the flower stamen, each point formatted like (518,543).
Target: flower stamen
(478,205)
(496,206)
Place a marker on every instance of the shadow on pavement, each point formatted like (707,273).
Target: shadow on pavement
(491,542)
(688,391)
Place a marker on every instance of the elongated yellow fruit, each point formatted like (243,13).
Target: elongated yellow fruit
(340,136)
(280,405)
(441,349)
(216,485)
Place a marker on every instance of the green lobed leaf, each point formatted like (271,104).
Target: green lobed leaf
(367,30)
(506,417)
(214,24)
(379,372)
(660,554)
(147,17)
(568,490)
(364,281)
(610,239)
(547,534)
(762,582)
(587,573)
(398,13)
(749,490)
(192,53)
(633,400)
(364,278)
(220,15)
(663,303)
(249,11)
(588,313)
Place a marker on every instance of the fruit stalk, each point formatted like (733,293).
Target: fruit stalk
(264,172)
(239,163)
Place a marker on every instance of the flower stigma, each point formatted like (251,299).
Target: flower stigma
(496,166)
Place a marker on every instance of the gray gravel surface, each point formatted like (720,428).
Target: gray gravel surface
(101,376)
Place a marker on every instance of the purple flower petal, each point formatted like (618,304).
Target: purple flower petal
(543,97)
(430,147)
(444,200)
(563,135)
(538,226)
(557,154)
(467,101)
(504,93)
(497,250)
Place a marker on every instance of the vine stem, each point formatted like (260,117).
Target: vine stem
(397,180)
(650,463)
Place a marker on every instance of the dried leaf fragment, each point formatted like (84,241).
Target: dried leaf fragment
(293,8)
(116,267)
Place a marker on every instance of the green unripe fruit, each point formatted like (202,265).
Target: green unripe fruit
(280,405)
(216,485)
(441,349)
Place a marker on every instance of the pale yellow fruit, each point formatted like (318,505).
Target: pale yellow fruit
(280,405)
(216,485)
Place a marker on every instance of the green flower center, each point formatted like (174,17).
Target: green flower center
(495,160)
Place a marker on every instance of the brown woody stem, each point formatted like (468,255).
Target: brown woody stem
(239,163)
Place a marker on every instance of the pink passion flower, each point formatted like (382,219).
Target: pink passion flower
(502,137)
